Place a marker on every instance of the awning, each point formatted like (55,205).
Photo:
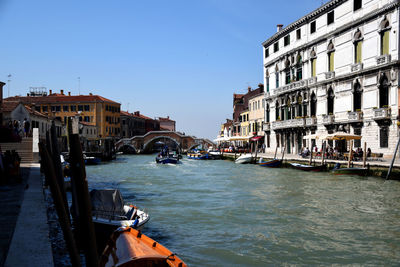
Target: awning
(255,138)
(239,138)
(342,136)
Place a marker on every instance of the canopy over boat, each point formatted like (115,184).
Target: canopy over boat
(107,201)
(342,136)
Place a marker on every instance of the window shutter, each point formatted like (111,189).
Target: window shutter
(358,51)
(314,65)
(331,61)
(385,43)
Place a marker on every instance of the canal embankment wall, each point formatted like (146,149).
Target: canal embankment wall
(377,167)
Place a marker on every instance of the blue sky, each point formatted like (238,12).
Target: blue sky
(177,58)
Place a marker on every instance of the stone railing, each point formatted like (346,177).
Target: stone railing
(312,80)
(356,67)
(290,86)
(382,113)
(295,123)
(382,59)
(329,75)
(355,115)
(266,126)
(328,119)
(311,121)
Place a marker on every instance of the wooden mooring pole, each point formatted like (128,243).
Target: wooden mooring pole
(86,228)
(276,151)
(60,206)
(350,154)
(311,154)
(365,154)
(323,152)
(394,157)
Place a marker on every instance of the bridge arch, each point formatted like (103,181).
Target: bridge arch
(161,137)
(127,149)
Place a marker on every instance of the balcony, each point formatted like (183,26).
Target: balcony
(295,123)
(266,127)
(291,86)
(328,119)
(383,59)
(329,75)
(355,116)
(382,113)
(311,121)
(312,80)
(356,67)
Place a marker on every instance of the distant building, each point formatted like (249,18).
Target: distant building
(132,124)
(93,109)
(167,124)
(1,102)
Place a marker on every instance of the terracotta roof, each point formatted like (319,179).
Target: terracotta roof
(34,112)
(9,106)
(126,113)
(164,119)
(58,98)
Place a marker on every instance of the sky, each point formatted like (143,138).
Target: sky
(179,58)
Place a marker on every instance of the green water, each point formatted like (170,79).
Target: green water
(218,213)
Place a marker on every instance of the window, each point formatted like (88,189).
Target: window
(313,67)
(73,108)
(286,40)
(37,108)
(287,75)
(267,82)
(277,110)
(358,51)
(313,27)
(266,52)
(357,143)
(277,79)
(65,108)
(331,17)
(276,47)
(80,107)
(383,137)
(331,99)
(299,68)
(357,5)
(385,42)
(44,108)
(357,95)
(267,114)
(87,108)
(383,91)
(313,105)
(87,119)
(298,34)
(331,61)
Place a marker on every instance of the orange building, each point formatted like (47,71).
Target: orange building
(93,109)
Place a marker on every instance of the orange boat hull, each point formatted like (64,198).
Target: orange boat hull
(129,247)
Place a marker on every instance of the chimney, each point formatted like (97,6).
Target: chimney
(249,89)
(279,27)
(69,93)
(137,113)
(50,92)
(167,117)
(62,92)
(90,94)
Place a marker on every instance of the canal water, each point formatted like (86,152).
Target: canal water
(218,213)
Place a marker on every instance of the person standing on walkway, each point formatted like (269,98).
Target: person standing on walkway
(27,126)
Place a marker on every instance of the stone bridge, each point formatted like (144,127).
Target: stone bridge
(144,143)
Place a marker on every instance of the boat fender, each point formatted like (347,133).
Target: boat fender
(135,223)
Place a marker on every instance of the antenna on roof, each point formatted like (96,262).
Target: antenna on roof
(79,85)
(9,81)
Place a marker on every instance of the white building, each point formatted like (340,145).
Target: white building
(335,69)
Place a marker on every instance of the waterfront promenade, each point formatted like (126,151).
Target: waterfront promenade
(25,232)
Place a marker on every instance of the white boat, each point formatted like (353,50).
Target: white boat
(109,211)
(245,158)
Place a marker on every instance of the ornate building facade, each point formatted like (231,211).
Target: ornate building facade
(335,69)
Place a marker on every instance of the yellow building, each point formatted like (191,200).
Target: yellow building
(244,123)
(93,109)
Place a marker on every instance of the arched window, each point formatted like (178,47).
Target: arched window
(288,113)
(357,97)
(313,56)
(331,57)
(267,79)
(287,71)
(383,91)
(277,110)
(384,32)
(313,104)
(267,113)
(358,46)
(299,68)
(299,105)
(331,100)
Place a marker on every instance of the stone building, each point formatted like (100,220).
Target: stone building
(335,69)
(167,124)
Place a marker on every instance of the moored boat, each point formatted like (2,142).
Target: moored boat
(110,212)
(274,163)
(90,160)
(129,247)
(305,167)
(245,158)
(167,160)
(198,155)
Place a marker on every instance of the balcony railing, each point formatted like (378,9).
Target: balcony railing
(356,67)
(382,113)
(266,126)
(311,121)
(328,119)
(295,123)
(383,59)
(329,75)
(355,116)
(312,80)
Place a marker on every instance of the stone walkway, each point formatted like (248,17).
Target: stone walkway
(30,244)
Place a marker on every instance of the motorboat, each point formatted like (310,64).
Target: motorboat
(110,212)
(215,154)
(129,247)
(274,163)
(90,160)
(305,167)
(349,171)
(245,158)
(199,155)
(167,160)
